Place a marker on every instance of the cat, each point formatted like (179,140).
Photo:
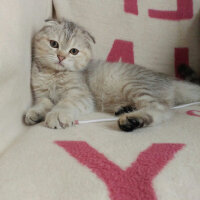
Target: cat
(67,83)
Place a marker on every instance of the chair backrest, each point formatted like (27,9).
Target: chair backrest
(158,34)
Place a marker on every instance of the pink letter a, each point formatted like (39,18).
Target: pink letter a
(121,50)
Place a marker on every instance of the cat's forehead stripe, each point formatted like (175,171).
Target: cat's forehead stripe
(69,27)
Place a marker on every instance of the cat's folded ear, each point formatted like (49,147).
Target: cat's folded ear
(89,37)
(51,22)
(92,38)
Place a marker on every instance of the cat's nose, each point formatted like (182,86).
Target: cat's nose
(60,58)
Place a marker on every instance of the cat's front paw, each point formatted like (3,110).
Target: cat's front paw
(33,116)
(58,119)
(128,124)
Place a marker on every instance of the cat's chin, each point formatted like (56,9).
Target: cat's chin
(58,67)
(65,67)
(60,64)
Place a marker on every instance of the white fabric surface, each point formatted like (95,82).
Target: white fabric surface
(36,168)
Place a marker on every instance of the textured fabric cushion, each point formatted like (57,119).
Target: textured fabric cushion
(19,20)
(157,34)
(99,162)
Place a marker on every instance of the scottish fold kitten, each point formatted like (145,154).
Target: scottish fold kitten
(66,83)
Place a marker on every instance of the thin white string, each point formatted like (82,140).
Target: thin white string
(98,120)
(116,118)
(186,105)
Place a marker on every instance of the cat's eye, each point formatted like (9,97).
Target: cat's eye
(74,51)
(54,44)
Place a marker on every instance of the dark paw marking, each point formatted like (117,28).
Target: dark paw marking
(125,109)
(130,124)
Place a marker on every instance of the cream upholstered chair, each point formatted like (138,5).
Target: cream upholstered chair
(97,161)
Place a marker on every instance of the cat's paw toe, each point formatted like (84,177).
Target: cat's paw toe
(65,119)
(32,117)
(58,120)
(129,123)
(51,120)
